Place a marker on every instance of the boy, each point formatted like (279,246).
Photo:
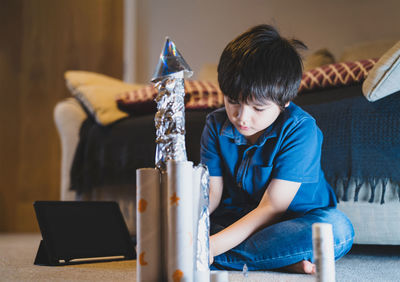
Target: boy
(263,153)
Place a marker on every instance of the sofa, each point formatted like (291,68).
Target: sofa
(107,131)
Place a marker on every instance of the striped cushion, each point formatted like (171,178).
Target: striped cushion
(336,75)
(207,95)
(203,95)
(198,95)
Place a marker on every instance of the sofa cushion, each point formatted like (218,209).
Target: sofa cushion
(384,77)
(76,79)
(97,93)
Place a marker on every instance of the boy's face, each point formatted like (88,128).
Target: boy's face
(250,119)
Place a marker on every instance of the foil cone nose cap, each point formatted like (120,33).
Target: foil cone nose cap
(171,61)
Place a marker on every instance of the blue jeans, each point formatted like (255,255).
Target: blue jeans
(285,242)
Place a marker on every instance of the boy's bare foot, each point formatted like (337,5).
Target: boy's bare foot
(303,266)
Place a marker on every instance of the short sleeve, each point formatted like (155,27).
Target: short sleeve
(299,157)
(209,151)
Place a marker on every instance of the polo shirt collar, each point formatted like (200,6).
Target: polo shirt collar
(230,131)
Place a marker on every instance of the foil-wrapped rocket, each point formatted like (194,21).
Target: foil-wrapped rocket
(169,77)
(183,190)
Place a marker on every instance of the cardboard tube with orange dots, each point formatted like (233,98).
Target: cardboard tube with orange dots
(148,225)
(180,221)
(164,223)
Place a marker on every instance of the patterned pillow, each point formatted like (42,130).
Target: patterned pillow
(336,75)
(207,95)
(97,93)
(199,95)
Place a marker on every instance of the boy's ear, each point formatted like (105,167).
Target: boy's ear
(287,104)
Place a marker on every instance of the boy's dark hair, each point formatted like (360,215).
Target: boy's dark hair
(261,65)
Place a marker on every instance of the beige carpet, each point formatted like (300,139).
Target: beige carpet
(18,251)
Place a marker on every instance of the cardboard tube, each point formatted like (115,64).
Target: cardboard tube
(196,211)
(219,276)
(180,221)
(164,223)
(148,225)
(323,251)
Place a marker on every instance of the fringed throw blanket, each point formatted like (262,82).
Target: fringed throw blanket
(110,155)
(361,143)
(106,156)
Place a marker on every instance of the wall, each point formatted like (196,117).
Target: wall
(40,40)
(202,28)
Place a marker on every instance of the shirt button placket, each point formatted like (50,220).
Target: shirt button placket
(243,169)
(245,166)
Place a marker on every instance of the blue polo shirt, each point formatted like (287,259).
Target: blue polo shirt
(289,149)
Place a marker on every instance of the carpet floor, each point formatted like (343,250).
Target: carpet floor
(18,251)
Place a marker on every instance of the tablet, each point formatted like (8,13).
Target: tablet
(81,231)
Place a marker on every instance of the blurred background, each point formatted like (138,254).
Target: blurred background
(41,39)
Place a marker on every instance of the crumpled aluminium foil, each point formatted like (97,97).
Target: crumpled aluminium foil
(170,121)
(169,77)
(170,117)
(203,232)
